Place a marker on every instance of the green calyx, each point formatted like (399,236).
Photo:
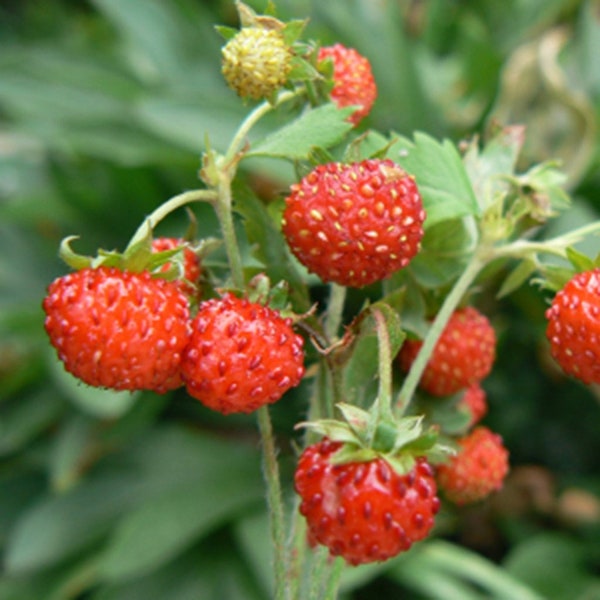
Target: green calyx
(138,256)
(365,437)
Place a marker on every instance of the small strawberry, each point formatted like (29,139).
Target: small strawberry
(354,224)
(118,329)
(477,470)
(353,81)
(464,354)
(241,355)
(191,263)
(574,327)
(256,62)
(364,511)
(474,401)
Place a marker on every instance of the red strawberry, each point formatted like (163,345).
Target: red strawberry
(477,470)
(241,355)
(117,329)
(354,224)
(364,511)
(353,81)
(191,263)
(574,327)
(463,355)
(474,401)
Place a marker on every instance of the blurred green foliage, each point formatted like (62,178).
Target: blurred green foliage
(104,109)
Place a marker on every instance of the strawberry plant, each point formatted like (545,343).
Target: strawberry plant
(283,354)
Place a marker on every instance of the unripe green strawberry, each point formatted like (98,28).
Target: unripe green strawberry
(463,355)
(117,329)
(256,62)
(574,327)
(354,224)
(353,79)
(364,511)
(241,355)
(477,470)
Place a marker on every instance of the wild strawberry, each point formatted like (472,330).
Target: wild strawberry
(477,470)
(474,401)
(463,355)
(353,81)
(256,62)
(191,263)
(574,327)
(241,355)
(117,329)
(354,224)
(364,511)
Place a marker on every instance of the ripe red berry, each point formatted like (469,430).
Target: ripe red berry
(241,355)
(574,327)
(477,470)
(464,354)
(354,224)
(117,329)
(353,81)
(191,263)
(474,400)
(364,511)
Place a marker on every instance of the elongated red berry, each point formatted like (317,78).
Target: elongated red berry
(364,511)
(354,224)
(574,327)
(241,355)
(256,62)
(353,81)
(117,329)
(191,263)
(477,470)
(464,354)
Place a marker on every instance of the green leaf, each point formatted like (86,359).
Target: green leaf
(324,126)
(211,571)
(269,246)
(517,277)
(489,166)
(226,32)
(164,526)
(24,420)
(568,576)
(442,570)
(359,361)
(69,523)
(440,176)
(445,248)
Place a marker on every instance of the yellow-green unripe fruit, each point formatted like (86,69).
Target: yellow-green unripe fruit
(256,62)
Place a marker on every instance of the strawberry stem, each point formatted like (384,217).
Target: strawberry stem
(335,310)
(384,392)
(168,207)
(556,246)
(239,139)
(437,327)
(275,503)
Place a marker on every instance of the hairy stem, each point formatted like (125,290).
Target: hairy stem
(437,327)
(168,207)
(275,504)
(335,310)
(250,121)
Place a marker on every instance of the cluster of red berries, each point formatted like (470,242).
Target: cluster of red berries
(122,330)
(462,357)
